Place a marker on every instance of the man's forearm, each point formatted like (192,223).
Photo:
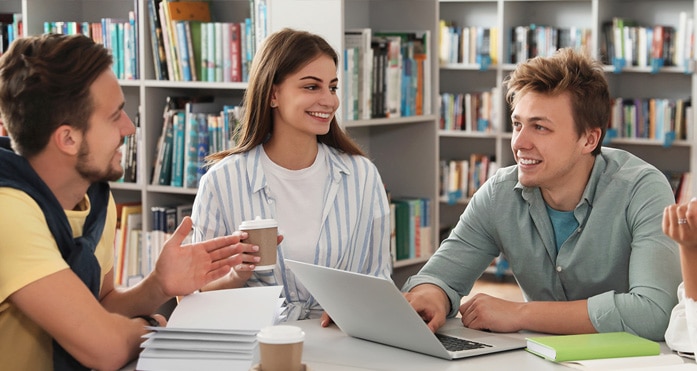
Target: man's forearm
(568,317)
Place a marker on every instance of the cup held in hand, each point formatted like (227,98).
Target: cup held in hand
(281,348)
(263,233)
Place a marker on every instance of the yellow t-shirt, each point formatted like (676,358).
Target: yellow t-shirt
(28,252)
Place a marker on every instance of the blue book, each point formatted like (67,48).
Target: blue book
(191,151)
(178,124)
(211,50)
(203,143)
(165,175)
(191,139)
(183,50)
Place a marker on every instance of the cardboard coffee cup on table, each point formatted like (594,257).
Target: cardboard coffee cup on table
(281,348)
(263,233)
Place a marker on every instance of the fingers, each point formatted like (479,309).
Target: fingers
(216,273)
(435,323)
(325,321)
(182,231)
(219,242)
(160,319)
(675,222)
(666,219)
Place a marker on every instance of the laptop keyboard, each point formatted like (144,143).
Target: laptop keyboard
(454,344)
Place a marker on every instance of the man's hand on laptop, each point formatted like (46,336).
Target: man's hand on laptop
(325,321)
(431,303)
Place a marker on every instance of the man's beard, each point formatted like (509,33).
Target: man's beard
(93,175)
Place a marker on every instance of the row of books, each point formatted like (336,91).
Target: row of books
(11,27)
(118,35)
(386,74)
(459,179)
(467,44)
(136,250)
(188,45)
(627,43)
(479,45)
(662,119)
(412,228)
(193,128)
(470,112)
(534,40)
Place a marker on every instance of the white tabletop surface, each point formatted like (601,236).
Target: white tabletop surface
(329,349)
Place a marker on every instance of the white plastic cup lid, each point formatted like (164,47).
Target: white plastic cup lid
(281,334)
(258,223)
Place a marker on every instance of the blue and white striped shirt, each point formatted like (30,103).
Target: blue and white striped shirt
(355,234)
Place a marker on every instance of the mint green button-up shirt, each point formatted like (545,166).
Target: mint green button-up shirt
(618,258)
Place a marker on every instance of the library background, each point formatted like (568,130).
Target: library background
(420,86)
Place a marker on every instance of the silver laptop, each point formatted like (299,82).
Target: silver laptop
(374,309)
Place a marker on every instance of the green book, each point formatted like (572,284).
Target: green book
(561,348)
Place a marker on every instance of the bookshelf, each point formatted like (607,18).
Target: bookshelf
(627,82)
(407,150)
(404,149)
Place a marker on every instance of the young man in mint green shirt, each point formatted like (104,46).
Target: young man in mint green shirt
(579,224)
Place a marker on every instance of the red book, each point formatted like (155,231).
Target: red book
(235,54)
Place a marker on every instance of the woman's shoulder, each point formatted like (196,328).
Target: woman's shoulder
(348,160)
(231,161)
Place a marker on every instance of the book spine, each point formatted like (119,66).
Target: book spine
(191,151)
(183,50)
(155,40)
(219,60)
(235,53)
(165,177)
(227,61)
(178,123)
(210,38)
(202,147)
(191,54)
(167,42)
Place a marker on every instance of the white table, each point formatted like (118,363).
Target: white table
(329,349)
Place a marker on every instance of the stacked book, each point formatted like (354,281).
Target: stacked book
(213,330)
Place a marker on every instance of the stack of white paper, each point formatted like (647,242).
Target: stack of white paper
(662,362)
(213,330)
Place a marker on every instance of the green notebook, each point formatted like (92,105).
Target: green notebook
(561,348)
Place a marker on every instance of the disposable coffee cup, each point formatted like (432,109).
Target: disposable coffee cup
(281,348)
(263,233)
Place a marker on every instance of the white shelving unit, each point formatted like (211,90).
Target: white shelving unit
(630,82)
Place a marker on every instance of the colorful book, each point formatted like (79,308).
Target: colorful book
(121,250)
(361,39)
(157,43)
(235,53)
(165,174)
(184,11)
(561,348)
(178,150)
(192,139)
(183,50)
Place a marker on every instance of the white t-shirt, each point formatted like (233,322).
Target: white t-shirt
(298,196)
(681,335)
